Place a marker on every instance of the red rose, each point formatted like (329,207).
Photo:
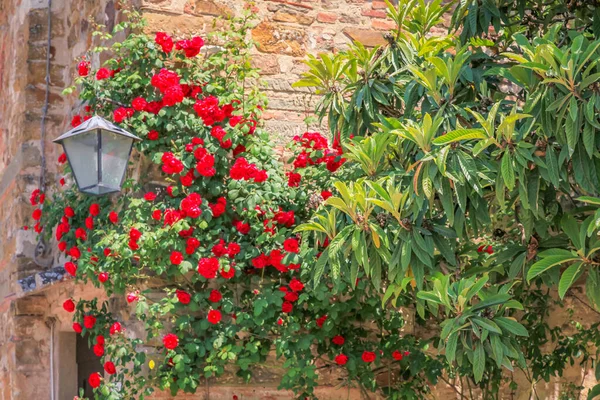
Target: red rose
(76,121)
(94,380)
(293,179)
(109,367)
(89,321)
(191,48)
(176,258)
(396,355)
(156,215)
(325,194)
(164,41)
(62,158)
(368,356)
(291,296)
(77,327)
(74,253)
(153,135)
(62,181)
(296,285)
(37,214)
(208,267)
(215,296)
(139,104)
(338,340)
(71,268)
(83,68)
(122,113)
(183,297)
(113,217)
(489,250)
(115,328)
(287,307)
(150,196)
(131,297)
(214,316)
(341,359)
(233,249)
(134,234)
(89,223)
(103,277)
(69,213)
(69,305)
(170,341)
(191,205)
(98,350)
(100,340)
(261,261)
(80,234)
(103,73)
(242,227)
(227,274)
(291,245)
(321,320)
(94,210)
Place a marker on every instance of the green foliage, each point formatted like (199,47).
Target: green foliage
(473,178)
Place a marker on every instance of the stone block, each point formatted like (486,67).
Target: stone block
(37,74)
(30,305)
(294,17)
(38,25)
(268,64)
(177,24)
(374,13)
(367,37)
(280,39)
(383,24)
(208,7)
(327,18)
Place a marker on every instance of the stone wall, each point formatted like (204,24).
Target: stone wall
(287,31)
(24,333)
(33,327)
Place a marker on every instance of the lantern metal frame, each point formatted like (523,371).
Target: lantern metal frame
(98,124)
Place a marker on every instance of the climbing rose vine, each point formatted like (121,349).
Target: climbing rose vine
(200,243)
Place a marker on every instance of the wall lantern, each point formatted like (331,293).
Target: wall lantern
(98,152)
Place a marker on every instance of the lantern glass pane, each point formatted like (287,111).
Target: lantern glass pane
(115,155)
(82,151)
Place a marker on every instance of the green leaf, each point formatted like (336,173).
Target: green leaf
(546,263)
(590,200)
(569,277)
(487,324)
(491,301)
(508,173)
(459,134)
(512,326)
(497,349)
(478,362)
(451,346)
(594,392)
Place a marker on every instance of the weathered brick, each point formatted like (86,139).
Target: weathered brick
(383,24)
(207,7)
(328,18)
(290,15)
(374,13)
(280,39)
(378,5)
(369,38)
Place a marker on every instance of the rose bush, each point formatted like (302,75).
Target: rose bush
(208,258)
